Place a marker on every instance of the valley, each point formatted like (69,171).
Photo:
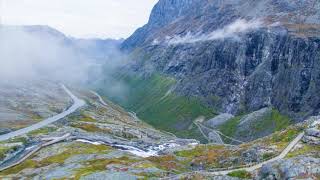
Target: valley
(206,89)
(100,134)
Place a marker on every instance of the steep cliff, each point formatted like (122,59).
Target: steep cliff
(178,17)
(234,56)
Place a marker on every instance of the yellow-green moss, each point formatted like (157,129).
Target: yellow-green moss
(24,165)
(91,128)
(86,118)
(240,174)
(45,130)
(98,165)
(206,155)
(3,152)
(74,149)
(305,149)
(168,163)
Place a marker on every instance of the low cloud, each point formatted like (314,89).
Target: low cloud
(45,55)
(230,31)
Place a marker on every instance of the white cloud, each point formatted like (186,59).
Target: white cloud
(80,18)
(230,31)
(27,56)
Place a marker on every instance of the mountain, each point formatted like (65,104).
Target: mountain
(92,48)
(97,48)
(49,54)
(242,77)
(176,17)
(235,57)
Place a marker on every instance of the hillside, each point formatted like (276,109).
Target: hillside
(207,89)
(102,141)
(234,57)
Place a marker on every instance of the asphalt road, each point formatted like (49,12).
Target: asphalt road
(77,103)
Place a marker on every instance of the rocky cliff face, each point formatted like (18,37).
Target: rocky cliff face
(270,58)
(162,14)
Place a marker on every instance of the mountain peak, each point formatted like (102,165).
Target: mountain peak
(175,17)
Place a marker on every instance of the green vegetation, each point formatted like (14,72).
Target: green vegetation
(280,139)
(72,150)
(23,140)
(230,127)
(305,149)
(268,156)
(192,132)
(274,121)
(240,174)
(86,118)
(197,151)
(208,156)
(90,128)
(6,148)
(14,170)
(3,152)
(287,135)
(45,130)
(151,98)
(97,165)
(166,162)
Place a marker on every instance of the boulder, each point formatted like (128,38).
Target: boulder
(294,168)
(313,132)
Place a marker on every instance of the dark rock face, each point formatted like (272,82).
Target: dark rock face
(162,14)
(272,66)
(172,17)
(262,70)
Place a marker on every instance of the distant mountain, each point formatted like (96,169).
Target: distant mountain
(30,52)
(93,48)
(97,48)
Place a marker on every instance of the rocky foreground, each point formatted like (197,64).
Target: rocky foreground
(24,103)
(102,141)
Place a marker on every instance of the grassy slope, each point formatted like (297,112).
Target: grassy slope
(275,120)
(153,102)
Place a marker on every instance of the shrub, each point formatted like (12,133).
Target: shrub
(241,174)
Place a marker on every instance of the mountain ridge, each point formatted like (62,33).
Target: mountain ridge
(229,65)
(181,16)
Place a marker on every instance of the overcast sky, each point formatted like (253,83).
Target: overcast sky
(80,18)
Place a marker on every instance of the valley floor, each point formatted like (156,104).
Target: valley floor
(100,140)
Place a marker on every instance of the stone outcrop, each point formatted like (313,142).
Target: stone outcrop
(296,168)
(312,136)
(218,120)
(251,126)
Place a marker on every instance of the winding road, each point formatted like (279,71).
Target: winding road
(77,103)
(100,98)
(283,154)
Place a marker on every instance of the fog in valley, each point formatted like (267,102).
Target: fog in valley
(41,53)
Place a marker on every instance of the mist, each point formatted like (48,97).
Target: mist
(230,31)
(28,56)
